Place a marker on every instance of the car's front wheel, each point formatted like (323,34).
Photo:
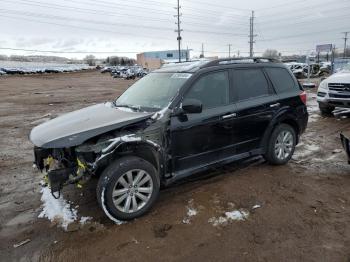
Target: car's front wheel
(281,145)
(326,109)
(128,188)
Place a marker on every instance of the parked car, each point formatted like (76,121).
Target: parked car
(333,92)
(174,122)
(127,74)
(106,69)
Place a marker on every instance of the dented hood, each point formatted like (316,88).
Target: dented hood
(74,128)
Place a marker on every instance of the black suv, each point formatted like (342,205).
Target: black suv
(176,121)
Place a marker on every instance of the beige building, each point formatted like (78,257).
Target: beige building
(154,59)
(148,62)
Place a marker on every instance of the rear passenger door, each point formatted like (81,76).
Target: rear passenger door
(256,104)
(286,86)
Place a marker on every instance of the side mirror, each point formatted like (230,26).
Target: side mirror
(192,106)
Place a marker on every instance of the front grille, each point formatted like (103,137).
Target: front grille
(339,86)
(339,95)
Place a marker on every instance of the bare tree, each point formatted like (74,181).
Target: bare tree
(270,53)
(90,60)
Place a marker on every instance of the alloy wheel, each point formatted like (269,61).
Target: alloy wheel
(284,145)
(132,191)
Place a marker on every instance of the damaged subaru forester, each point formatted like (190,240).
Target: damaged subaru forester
(177,121)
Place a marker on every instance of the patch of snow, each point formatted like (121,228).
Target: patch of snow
(191,212)
(235,215)
(125,109)
(84,220)
(118,222)
(152,143)
(160,113)
(304,150)
(108,104)
(126,138)
(256,206)
(57,210)
(218,221)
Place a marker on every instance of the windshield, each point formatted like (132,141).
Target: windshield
(153,92)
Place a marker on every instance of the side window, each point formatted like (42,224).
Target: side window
(211,89)
(249,83)
(281,80)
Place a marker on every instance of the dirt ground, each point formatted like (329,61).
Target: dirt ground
(301,210)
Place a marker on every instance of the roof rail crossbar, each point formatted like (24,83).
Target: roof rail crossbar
(243,60)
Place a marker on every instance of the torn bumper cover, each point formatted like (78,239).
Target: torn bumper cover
(57,172)
(346,144)
(59,177)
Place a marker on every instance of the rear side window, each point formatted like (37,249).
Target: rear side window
(281,80)
(211,89)
(249,83)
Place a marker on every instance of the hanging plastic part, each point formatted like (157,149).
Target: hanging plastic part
(56,196)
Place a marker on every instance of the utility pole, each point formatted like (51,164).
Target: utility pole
(229,50)
(345,40)
(178,28)
(251,35)
(202,54)
(187,55)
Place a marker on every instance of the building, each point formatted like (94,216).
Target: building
(154,59)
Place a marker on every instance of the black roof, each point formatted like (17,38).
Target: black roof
(194,66)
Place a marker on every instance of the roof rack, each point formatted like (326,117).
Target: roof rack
(243,60)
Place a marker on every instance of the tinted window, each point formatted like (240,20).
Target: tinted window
(250,83)
(281,79)
(212,90)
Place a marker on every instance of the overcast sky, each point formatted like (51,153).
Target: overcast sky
(131,26)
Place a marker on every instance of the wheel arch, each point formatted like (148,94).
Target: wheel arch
(147,150)
(282,118)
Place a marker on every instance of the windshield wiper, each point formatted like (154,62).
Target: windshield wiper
(135,108)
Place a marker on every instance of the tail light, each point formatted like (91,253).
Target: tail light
(303,97)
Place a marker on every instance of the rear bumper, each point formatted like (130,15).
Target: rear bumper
(346,144)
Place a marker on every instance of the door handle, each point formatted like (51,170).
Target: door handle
(275,105)
(229,116)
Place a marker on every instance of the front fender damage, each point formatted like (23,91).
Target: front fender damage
(76,165)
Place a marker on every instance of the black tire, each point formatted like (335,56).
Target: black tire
(270,154)
(109,178)
(326,109)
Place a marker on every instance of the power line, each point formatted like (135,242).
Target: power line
(69,52)
(297,35)
(108,13)
(301,16)
(30,14)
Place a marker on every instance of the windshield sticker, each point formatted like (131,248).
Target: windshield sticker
(181,75)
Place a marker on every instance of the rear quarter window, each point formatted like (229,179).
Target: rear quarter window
(282,80)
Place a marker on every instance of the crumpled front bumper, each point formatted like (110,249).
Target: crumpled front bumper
(56,174)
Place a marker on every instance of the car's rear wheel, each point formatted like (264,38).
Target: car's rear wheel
(326,109)
(281,145)
(128,188)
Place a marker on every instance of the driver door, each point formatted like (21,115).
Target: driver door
(199,139)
